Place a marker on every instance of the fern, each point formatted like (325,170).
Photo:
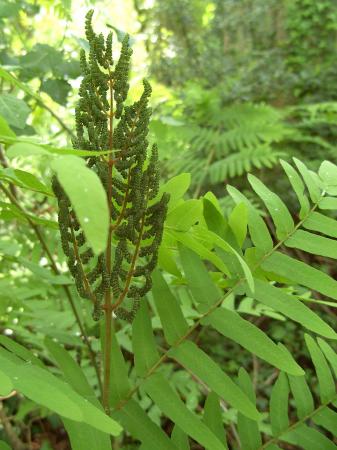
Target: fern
(231,141)
(213,267)
(216,142)
(255,272)
(312,419)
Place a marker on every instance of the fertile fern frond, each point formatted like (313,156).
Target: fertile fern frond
(104,121)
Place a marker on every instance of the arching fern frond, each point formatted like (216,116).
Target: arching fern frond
(229,142)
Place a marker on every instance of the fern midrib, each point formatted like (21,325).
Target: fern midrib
(166,356)
(298,423)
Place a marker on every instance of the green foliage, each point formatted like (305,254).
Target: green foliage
(320,18)
(219,141)
(220,303)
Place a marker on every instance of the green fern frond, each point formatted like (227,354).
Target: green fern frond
(255,266)
(230,142)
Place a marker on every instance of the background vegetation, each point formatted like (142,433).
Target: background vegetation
(237,86)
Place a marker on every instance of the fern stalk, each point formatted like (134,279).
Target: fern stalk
(116,280)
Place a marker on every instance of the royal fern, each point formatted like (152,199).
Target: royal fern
(209,265)
(263,271)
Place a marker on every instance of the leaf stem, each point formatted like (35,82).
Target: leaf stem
(296,424)
(107,296)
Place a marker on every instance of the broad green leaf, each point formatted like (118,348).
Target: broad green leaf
(143,343)
(213,417)
(301,273)
(20,351)
(172,406)
(214,219)
(258,229)
(329,353)
(14,110)
(248,429)
(232,325)
(238,221)
(183,216)
(329,203)
(217,241)
(176,187)
(40,59)
(326,418)
(302,396)
(45,389)
(5,128)
(70,369)
(6,386)
(171,317)
(298,186)
(87,197)
(279,405)
(325,380)
(210,197)
(82,436)
(4,446)
(318,222)
(57,89)
(166,259)
(25,149)
(309,180)
(135,420)
(279,212)
(313,243)
(328,173)
(202,287)
(180,439)
(24,180)
(190,356)
(308,438)
(189,240)
(291,307)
